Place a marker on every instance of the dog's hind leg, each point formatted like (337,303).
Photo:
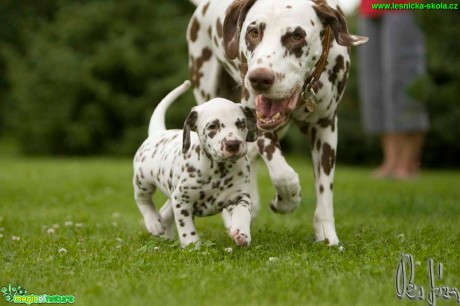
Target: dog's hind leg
(167,215)
(205,70)
(207,73)
(253,154)
(143,195)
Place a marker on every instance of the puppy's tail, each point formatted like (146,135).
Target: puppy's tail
(157,122)
(196,2)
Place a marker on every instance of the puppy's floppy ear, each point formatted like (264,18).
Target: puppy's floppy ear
(234,18)
(251,123)
(189,125)
(334,19)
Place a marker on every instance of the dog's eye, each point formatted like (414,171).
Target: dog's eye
(240,123)
(253,33)
(297,35)
(213,126)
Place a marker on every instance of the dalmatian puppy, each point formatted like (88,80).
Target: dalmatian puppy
(202,169)
(290,61)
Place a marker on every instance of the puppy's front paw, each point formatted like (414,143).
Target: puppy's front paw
(242,238)
(154,225)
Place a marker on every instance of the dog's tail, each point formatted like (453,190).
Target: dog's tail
(196,2)
(157,122)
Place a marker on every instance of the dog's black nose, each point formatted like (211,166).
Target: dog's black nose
(261,79)
(233,146)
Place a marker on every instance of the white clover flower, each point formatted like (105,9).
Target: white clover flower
(228,250)
(15,238)
(272,259)
(68,223)
(50,231)
(116,215)
(62,251)
(341,248)
(156,248)
(78,224)
(114,224)
(1,235)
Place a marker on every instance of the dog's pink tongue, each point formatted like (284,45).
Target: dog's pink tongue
(269,107)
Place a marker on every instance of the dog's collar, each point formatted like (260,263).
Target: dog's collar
(308,94)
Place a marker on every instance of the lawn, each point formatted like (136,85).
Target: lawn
(71,227)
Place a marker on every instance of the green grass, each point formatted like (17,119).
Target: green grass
(111,260)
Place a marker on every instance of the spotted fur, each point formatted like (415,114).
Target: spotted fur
(202,169)
(269,48)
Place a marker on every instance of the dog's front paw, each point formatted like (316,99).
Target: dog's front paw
(242,238)
(287,201)
(282,206)
(154,225)
(325,231)
(288,194)
(187,240)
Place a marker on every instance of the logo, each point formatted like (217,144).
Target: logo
(406,287)
(19,295)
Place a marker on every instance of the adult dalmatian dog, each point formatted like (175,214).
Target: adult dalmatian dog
(288,60)
(202,169)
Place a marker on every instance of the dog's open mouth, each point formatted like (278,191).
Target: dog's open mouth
(274,113)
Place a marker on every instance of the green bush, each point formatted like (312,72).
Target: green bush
(89,80)
(440,89)
(15,16)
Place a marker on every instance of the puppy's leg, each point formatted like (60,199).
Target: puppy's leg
(284,178)
(240,214)
(324,143)
(143,193)
(167,215)
(227,218)
(183,215)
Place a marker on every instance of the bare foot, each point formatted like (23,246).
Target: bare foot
(382,172)
(404,174)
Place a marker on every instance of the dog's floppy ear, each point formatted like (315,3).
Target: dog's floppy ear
(251,124)
(234,18)
(189,125)
(334,19)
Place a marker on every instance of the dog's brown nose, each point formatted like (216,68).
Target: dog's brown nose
(261,79)
(232,146)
